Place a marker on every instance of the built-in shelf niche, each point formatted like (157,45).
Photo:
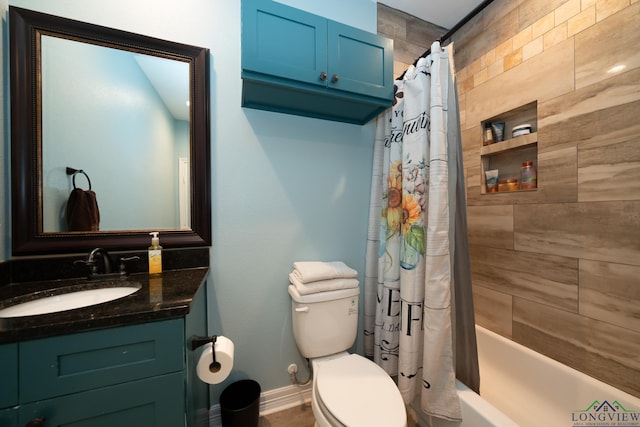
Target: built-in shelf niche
(507,156)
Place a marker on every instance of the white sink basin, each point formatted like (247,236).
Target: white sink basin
(68,301)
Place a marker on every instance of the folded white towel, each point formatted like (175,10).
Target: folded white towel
(322,285)
(313,271)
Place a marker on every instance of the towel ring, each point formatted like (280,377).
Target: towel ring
(74,172)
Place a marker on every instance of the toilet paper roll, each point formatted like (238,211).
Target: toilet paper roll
(216,373)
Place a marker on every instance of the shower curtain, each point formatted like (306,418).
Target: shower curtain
(417,252)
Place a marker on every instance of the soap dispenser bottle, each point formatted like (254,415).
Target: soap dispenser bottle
(155,254)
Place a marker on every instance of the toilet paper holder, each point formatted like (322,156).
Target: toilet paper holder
(198,341)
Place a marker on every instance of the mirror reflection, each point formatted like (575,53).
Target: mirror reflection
(111,120)
(101,103)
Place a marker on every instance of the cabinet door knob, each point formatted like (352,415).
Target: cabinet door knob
(323,76)
(335,78)
(36,422)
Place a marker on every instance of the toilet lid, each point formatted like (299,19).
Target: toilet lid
(359,393)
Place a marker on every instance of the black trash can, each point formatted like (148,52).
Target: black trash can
(240,404)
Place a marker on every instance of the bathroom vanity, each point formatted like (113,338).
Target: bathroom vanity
(124,362)
(128,361)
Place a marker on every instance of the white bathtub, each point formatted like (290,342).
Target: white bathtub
(521,387)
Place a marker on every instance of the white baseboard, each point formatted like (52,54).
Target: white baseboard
(271,401)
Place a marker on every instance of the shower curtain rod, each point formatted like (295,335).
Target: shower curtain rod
(448,34)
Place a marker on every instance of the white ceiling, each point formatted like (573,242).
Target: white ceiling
(445,13)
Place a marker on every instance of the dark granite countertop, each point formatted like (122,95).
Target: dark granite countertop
(164,296)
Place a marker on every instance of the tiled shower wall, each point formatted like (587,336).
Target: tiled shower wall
(558,269)
(411,36)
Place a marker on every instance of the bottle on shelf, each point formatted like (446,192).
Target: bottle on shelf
(488,134)
(528,176)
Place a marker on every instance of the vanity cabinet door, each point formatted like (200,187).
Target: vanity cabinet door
(9,417)
(8,376)
(152,402)
(72,363)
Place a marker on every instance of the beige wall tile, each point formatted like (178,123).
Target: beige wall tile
(465,85)
(462,73)
(620,181)
(462,99)
(504,48)
(423,33)
(610,292)
(557,176)
(617,140)
(491,226)
(547,76)
(406,52)
(480,77)
(555,36)
(533,48)
(543,25)
(391,23)
(522,38)
(492,310)
(577,230)
(602,350)
(547,279)
(596,54)
(586,118)
(581,21)
(609,166)
(532,11)
(571,114)
(512,59)
(471,147)
(567,10)
(606,8)
(488,58)
(557,229)
(496,68)
(474,67)
(472,177)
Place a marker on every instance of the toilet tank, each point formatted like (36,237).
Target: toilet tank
(324,323)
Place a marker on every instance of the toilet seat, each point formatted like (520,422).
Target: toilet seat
(359,393)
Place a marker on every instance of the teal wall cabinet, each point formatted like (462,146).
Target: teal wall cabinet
(298,63)
(133,375)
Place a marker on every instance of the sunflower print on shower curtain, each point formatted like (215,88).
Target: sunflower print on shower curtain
(403,214)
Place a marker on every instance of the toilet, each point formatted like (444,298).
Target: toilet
(348,389)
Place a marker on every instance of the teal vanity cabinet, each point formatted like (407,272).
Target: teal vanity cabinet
(298,63)
(132,375)
(139,373)
(8,385)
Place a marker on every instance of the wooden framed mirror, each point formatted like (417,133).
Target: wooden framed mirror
(127,110)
